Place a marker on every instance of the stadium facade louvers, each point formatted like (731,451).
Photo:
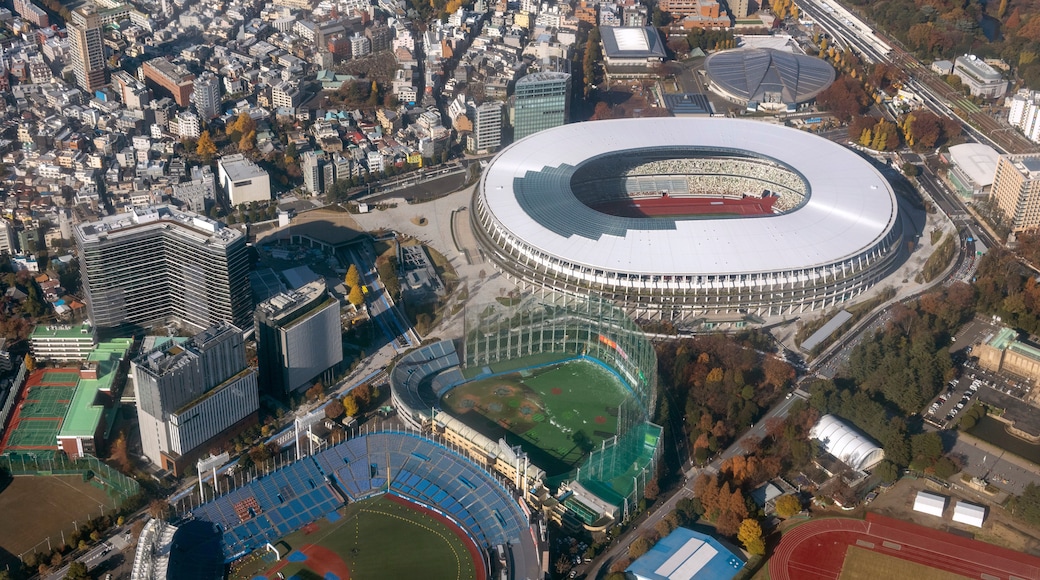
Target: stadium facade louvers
(158,265)
(837,233)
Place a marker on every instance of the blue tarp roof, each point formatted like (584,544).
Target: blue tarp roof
(687,555)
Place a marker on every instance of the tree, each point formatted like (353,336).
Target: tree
(788,505)
(356,296)
(651,490)
(750,534)
(315,391)
(638,547)
(159,509)
(350,406)
(205,148)
(334,409)
(353,277)
(77,571)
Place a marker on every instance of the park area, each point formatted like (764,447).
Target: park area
(37,507)
(384,537)
(560,411)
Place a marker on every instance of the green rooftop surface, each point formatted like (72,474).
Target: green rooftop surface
(62,331)
(1007,339)
(84,415)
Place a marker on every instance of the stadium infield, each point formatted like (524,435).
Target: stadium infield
(819,550)
(355,547)
(560,411)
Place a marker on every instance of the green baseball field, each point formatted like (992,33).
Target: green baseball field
(558,413)
(383,537)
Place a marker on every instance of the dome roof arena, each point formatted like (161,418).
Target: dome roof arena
(682,218)
(773,79)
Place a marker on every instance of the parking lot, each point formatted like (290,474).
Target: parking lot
(945,410)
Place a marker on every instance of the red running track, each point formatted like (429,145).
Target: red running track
(677,206)
(816,550)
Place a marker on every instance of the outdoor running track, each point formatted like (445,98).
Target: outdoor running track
(816,550)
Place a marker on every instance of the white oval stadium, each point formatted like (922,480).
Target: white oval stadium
(686,218)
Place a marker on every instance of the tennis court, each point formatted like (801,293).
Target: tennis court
(560,411)
(39,413)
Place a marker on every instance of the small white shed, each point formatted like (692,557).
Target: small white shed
(969,513)
(930,503)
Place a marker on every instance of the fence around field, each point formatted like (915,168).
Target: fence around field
(117,485)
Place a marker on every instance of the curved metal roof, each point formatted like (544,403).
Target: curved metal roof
(850,206)
(978,161)
(845,443)
(766,75)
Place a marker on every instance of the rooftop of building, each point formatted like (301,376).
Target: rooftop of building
(1007,339)
(632,42)
(543,77)
(62,331)
(977,161)
(159,216)
(286,303)
(1028,165)
(687,555)
(175,72)
(85,411)
(238,167)
(978,68)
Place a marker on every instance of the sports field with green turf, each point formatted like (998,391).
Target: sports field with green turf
(557,412)
(376,539)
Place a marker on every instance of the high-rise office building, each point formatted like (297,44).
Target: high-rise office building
(189,392)
(87,49)
(541,100)
(298,338)
(206,96)
(1016,189)
(487,127)
(157,265)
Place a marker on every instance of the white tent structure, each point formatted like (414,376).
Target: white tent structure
(930,503)
(846,443)
(969,513)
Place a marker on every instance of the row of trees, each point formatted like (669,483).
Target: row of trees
(722,385)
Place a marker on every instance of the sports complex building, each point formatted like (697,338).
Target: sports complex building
(552,392)
(690,220)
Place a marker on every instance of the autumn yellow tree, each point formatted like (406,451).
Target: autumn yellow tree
(205,147)
(787,506)
(350,406)
(356,297)
(750,534)
(353,277)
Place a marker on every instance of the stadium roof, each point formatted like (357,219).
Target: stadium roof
(969,513)
(842,441)
(765,75)
(850,205)
(977,161)
(930,503)
(632,42)
(686,555)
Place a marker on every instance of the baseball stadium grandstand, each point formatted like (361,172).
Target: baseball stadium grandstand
(416,471)
(553,391)
(698,221)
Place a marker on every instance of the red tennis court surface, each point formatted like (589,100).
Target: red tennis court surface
(40,410)
(665,206)
(816,550)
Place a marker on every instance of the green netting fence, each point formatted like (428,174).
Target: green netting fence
(117,485)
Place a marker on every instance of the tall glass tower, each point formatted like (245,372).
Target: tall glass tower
(541,101)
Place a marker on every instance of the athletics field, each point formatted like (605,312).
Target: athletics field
(379,538)
(558,413)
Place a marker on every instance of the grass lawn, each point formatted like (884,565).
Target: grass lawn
(862,564)
(558,413)
(377,539)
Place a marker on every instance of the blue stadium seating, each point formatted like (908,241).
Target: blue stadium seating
(419,469)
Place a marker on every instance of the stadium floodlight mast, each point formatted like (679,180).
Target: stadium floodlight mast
(306,422)
(210,463)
